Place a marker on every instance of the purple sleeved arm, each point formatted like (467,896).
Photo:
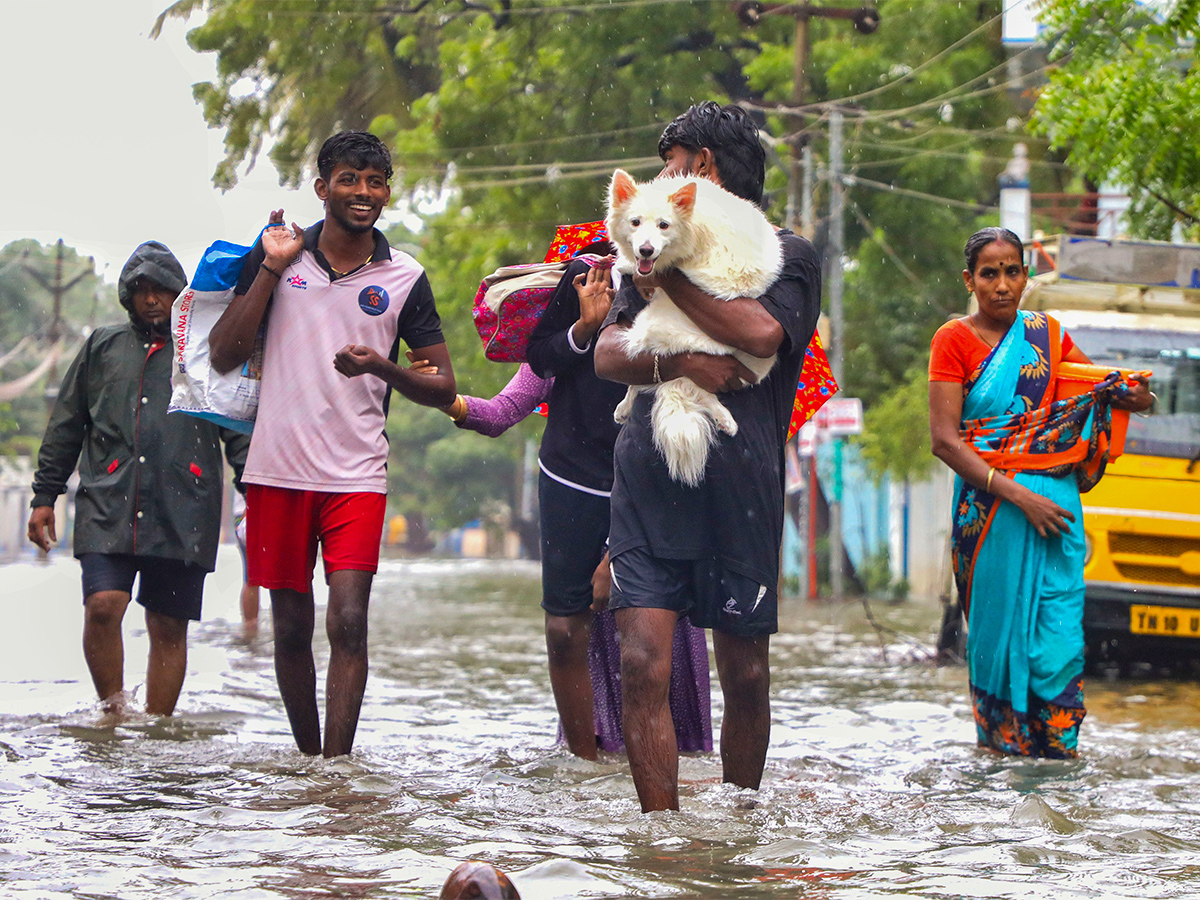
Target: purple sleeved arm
(515,401)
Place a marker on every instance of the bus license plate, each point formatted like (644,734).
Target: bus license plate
(1176,621)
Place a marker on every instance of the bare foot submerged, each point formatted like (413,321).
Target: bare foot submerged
(116,710)
(478,881)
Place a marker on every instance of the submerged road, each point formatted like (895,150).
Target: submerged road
(874,787)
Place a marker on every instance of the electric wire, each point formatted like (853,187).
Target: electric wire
(855,181)
(877,236)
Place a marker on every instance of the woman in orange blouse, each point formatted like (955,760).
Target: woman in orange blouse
(1017,533)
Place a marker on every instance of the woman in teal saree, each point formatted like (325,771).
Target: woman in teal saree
(1017,531)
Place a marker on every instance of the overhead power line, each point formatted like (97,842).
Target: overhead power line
(920,152)
(603,171)
(856,181)
(560,167)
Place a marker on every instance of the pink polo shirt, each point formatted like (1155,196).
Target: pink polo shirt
(316,429)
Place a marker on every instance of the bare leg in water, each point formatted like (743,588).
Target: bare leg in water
(293,618)
(646,636)
(571,680)
(744,671)
(103,645)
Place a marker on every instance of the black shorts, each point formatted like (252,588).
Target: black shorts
(170,587)
(574,538)
(705,590)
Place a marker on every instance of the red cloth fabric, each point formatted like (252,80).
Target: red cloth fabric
(283,526)
(817,385)
(570,239)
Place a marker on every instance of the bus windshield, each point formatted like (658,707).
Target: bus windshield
(1174,357)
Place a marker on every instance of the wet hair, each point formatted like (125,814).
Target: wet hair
(478,881)
(731,135)
(985,236)
(357,149)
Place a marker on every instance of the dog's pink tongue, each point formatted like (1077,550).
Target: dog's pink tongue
(645,266)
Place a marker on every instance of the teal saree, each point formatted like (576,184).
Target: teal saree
(1023,593)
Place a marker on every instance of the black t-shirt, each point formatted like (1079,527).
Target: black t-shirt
(577,444)
(736,512)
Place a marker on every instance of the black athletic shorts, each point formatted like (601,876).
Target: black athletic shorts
(705,590)
(170,587)
(574,538)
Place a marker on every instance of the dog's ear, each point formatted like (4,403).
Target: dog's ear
(621,189)
(684,199)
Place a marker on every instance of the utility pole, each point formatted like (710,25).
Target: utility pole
(808,222)
(56,289)
(837,342)
(800,49)
(801,220)
(750,12)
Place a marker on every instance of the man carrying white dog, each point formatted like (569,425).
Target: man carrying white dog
(711,551)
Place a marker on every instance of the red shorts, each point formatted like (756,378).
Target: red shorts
(284,525)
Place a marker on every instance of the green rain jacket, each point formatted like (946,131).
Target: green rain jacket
(150,484)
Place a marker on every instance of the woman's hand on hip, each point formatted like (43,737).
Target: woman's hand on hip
(1044,514)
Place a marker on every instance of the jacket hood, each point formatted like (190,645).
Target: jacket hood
(154,261)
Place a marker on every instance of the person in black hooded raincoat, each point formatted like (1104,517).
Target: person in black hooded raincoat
(150,484)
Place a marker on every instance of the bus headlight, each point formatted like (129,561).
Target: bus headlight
(1087,548)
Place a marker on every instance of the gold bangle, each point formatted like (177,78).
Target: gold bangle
(457,410)
(1151,409)
(991,474)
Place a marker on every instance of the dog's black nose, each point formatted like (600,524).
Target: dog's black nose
(646,250)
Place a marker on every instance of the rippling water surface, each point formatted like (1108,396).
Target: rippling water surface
(874,787)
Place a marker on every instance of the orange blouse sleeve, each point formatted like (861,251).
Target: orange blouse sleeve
(949,353)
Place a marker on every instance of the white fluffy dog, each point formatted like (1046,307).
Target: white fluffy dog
(726,247)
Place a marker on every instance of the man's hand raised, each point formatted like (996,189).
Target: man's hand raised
(595,291)
(280,243)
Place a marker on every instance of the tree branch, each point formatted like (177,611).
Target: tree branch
(1179,211)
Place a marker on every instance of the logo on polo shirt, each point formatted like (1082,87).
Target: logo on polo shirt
(373,300)
(297,282)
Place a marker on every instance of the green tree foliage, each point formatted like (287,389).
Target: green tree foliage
(895,438)
(1124,102)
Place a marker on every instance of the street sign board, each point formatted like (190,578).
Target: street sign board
(806,438)
(841,416)
(1021,23)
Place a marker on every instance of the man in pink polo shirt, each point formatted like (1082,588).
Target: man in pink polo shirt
(340,300)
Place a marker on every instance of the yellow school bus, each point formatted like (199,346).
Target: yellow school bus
(1136,305)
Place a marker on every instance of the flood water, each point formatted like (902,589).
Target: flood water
(873,789)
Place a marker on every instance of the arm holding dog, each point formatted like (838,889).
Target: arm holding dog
(718,374)
(742,323)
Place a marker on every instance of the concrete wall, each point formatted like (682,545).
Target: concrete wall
(918,530)
(16,476)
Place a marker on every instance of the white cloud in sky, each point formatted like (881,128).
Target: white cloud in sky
(103,144)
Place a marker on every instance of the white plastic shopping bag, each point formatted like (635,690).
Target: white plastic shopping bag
(229,399)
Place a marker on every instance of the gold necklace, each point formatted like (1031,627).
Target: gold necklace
(974,328)
(355,269)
